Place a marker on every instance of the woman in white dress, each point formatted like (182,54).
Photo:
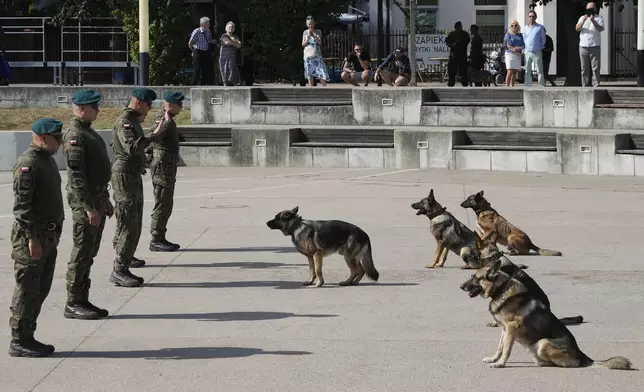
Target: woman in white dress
(513,43)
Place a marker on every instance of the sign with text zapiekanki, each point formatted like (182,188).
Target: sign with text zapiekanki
(430,47)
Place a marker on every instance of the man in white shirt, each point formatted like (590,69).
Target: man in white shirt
(590,27)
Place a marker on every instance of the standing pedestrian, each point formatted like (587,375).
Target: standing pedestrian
(129,143)
(230,45)
(534,36)
(39,215)
(88,173)
(457,41)
(590,27)
(202,57)
(163,169)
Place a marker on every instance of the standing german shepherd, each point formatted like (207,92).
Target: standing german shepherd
(450,234)
(317,239)
(527,320)
(490,253)
(497,229)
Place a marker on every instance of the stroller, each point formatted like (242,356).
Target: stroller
(497,67)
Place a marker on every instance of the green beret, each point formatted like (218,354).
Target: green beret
(173,97)
(47,126)
(144,94)
(86,97)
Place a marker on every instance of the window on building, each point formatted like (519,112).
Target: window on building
(491,23)
(426,17)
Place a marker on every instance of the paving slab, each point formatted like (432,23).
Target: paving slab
(228,312)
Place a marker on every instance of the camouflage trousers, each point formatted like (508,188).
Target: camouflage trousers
(127,190)
(33,281)
(87,242)
(163,170)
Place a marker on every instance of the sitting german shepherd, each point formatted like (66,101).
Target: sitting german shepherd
(317,239)
(490,253)
(497,229)
(527,320)
(450,234)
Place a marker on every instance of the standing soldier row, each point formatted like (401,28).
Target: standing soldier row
(39,213)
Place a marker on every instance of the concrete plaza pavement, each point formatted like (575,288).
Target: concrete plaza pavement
(228,312)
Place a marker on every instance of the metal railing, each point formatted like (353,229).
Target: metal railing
(68,50)
(624,55)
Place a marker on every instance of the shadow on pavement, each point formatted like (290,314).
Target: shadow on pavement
(232,264)
(276,249)
(179,353)
(275,284)
(225,316)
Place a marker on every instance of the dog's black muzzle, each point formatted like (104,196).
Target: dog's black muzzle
(418,206)
(272,224)
(472,289)
(465,204)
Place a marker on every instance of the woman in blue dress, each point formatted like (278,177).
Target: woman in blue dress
(314,66)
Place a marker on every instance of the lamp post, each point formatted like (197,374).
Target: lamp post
(412,40)
(144,43)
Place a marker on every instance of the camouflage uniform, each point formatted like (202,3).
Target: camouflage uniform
(39,214)
(163,169)
(88,173)
(129,143)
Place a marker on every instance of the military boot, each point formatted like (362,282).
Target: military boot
(85,300)
(80,311)
(121,276)
(163,245)
(137,263)
(29,347)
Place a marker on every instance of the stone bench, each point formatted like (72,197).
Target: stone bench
(302,97)
(629,144)
(342,138)
(625,98)
(205,136)
(473,97)
(504,141)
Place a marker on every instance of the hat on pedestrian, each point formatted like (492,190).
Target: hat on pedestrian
(173,97)
(144,94)
(86,97)
(47,126)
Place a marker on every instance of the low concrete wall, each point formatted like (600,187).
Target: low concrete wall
(12,97)
(414,147)
(542,108)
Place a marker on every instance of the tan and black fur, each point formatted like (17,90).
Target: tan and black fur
(450,234)
(317,239)
(490,253)
(528,321)
(496,229)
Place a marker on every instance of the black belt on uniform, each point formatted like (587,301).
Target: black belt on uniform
(49,226)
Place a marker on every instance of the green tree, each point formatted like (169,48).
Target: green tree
(273,29)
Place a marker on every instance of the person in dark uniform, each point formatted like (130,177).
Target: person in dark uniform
(477,57)
(163,169)
(88,172)
(457,41)
(547,56)
(39,215)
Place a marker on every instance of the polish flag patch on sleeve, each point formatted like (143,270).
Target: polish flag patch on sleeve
(73,142)
(126,125)
(24,169)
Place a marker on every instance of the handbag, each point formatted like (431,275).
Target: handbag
(309,51)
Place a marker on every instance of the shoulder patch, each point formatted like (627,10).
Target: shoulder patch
(25,169)
(127,125)
(73,142)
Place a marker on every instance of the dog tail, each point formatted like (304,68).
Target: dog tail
(367,262)
(616,363)
(546,252)
(572,320)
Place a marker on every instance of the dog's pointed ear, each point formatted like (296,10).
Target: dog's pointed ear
(295,210)
(479,195)
(495,267)
(431,194)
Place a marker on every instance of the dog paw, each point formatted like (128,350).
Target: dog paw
(320,283)
(497,365)
(307,283)
(429,266)
(489,359)
(492,325)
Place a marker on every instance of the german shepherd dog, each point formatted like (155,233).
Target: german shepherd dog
(490,253)
(527,320)
(317,239)
(483,76)
(450,234)
(496,228)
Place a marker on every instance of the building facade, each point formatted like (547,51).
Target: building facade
(494,16)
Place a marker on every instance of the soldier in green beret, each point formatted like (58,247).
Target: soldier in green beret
(129,143)
(39,215)
(163,169)
(88,173)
